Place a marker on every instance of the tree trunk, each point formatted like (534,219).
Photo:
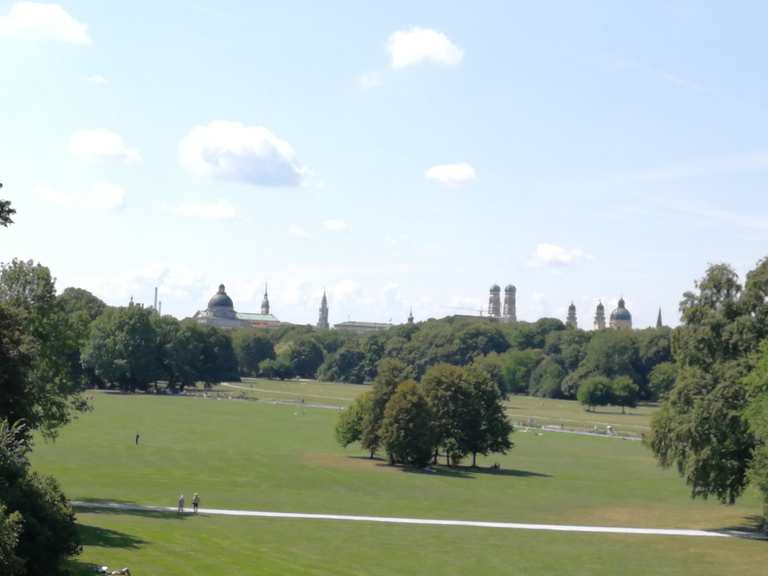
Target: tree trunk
(474,459)
(434,457)
(622,410)
(447,459)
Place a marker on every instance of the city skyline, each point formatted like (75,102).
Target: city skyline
(398,156)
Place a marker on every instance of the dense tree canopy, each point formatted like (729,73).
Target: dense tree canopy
(710,426)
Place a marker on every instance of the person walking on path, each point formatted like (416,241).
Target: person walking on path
(137,438)
(195,502)
(181,504)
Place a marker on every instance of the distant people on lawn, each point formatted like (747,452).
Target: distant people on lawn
(181,504)
(195,502)
(137,438)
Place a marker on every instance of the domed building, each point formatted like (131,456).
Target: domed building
(221,313)
(620,317)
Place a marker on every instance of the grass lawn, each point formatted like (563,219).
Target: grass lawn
(240,454)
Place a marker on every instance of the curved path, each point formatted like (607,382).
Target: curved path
(418,521)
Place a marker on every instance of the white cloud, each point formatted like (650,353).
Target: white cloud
(451,174)
(101,143)
(217,210)
(39,20)
(410,47)
(96,79)
(297,232)
(335,225)
(235,152)
(101,196)
(554,255)
(370,80)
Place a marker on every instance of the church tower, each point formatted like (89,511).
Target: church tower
(494,302)
(322,322)
(410,316)
(571,320)
(510,304)
(265,302)
(659,323)
(600,317)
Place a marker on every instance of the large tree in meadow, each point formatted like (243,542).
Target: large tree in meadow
(708,427)
(407,428)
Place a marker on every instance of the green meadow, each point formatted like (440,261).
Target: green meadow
(251,455)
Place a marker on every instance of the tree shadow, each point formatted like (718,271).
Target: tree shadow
(106,538)
(751,527)
(466,472)
(127,508)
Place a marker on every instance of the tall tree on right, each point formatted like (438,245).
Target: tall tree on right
(703,427)
(6,212)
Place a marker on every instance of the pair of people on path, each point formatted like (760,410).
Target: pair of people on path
(195,503)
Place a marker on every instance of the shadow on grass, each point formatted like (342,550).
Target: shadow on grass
(751,527)
(466,472)
(106,538)
(102,506)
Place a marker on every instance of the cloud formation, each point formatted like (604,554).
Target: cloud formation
(96,79)
(451,174)
(334,225)
(417,45)
(44,21)
(297,232)
(211,211)
(554,255)
(101,196)
(101,144)
(234,152)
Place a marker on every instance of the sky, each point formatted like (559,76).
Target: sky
(396,154)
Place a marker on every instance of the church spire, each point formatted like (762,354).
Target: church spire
(571,320)
(322,321)
(265,301)
(410,316)
(659,323)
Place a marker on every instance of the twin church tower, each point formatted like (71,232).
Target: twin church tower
(509,313)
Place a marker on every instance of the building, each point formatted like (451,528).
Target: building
(600,317)
(571,320)
(620,317)
(322,321)
(659,323)
(510,304)
(361,327)
(494,302)
(221,313)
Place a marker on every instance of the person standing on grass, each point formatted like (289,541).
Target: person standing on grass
(137,438)
(181,504)
(195,502)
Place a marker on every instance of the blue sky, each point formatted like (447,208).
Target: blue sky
(397,154)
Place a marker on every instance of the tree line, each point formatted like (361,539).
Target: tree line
(453,411)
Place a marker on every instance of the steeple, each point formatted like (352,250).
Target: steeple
(265,302)
(410,316)
(600,316)
(571,320)
(322,321)
(659,323)
(494,302)
(510,304)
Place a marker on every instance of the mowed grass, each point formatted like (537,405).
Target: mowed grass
(241,454)
(295,390)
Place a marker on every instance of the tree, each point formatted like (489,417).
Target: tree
(50,392)
(487,428)
(35,503)
(406,430)
(10,529)
(6,212)
(122,348)
(594,391)
(546,379)
(349,427)
(391,373)
(278,368)
(662,379)
(516,369)
(344,365)
(251,348)
(305,356)
(450,400)
(218,362)
(624,392)
(76,301)
(701,428)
